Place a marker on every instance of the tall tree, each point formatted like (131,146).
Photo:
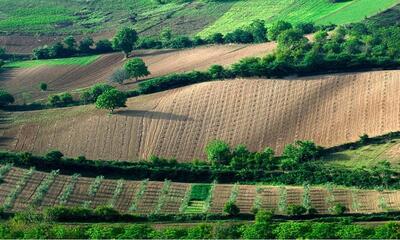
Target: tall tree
(125,40)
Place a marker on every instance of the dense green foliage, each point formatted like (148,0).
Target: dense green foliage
(34,226)
(241,165)
(136,68)
(125,40)
(5,98)
(111,100)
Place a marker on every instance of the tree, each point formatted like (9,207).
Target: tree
(258,30)
(125,39)
(104,46)
(277,28)
(54,100)
(218,152)
(231,209)
(261,229)
(43,86)
(217,38)
(66,98)
(1,63)
(119,76)
(70,42)
(2,52)
(5,98)
(41,52)
(136,68)
(54,156)
(86,44)
(339,209)
(296,210)
(111,100)
(216,71)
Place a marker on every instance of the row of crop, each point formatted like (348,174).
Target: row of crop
(164,193)
(12,196)
(68,190)
(138,195)
(43,188)
(117,192)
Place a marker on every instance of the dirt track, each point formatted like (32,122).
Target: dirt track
(330,110)
(356,201)
(160,62)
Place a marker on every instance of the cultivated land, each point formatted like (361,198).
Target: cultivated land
(328,109)
(142,197)
(23,80)
(297,11)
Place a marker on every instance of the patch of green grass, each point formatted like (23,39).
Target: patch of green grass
(200,192)
(358,10)
(243,13)
(365,156)
(82,61)
(195,207)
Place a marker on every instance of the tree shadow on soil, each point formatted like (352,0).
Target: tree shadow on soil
(153,115)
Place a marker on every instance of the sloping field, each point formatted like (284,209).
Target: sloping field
(25,80)
(329,109)
(168,197)
(296,11)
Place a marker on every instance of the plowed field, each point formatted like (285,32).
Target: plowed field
(24,82)
(330,110)
(360,201)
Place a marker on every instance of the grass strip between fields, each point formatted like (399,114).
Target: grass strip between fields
(80,61)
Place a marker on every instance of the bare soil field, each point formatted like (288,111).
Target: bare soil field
(329,109)
(24,82)
(356,201)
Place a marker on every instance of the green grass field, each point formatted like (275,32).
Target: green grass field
(77,16)
(53,62)
(320,11)
(365,156)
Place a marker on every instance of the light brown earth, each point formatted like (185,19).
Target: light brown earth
(331,110)
(24,82)
(356,201)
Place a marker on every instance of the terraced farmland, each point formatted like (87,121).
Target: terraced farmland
(330,110)
(357,201)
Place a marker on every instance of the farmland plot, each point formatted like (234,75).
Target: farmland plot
(328,109)
(167,196)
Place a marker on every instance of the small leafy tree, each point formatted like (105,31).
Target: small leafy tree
(111,100)
(136,68)
(70,42)
(43,86)
(277,28)
(231,209)
(339,209)
(104,46)
(296,210)
(216,71)
(66,98)
(5,98)
(54,100)
(218,152)
(125,39)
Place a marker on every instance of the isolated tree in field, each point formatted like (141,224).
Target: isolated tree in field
(43,86)
(5,98)
(111,100)
(136,68)
(125,39)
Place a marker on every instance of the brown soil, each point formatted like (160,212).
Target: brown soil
(330,110)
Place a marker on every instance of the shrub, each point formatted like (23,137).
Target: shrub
(66,98)
(43,86)
(119,76)
(54,100)
(104,46)
(218,152)
(54,156)
(216,38)
(296,210)
(85,45)
(339,209)
(41,52)
(231,209)
(5,98)
(277,28)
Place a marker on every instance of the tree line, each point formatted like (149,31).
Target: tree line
(299,163)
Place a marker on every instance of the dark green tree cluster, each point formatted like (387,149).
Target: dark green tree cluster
(71,47)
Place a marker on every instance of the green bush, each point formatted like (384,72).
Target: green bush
(296,210)
(5,98)
(231,209)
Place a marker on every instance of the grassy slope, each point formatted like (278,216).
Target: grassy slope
(46,16)
(319,11)
(366,156)
(82,61)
